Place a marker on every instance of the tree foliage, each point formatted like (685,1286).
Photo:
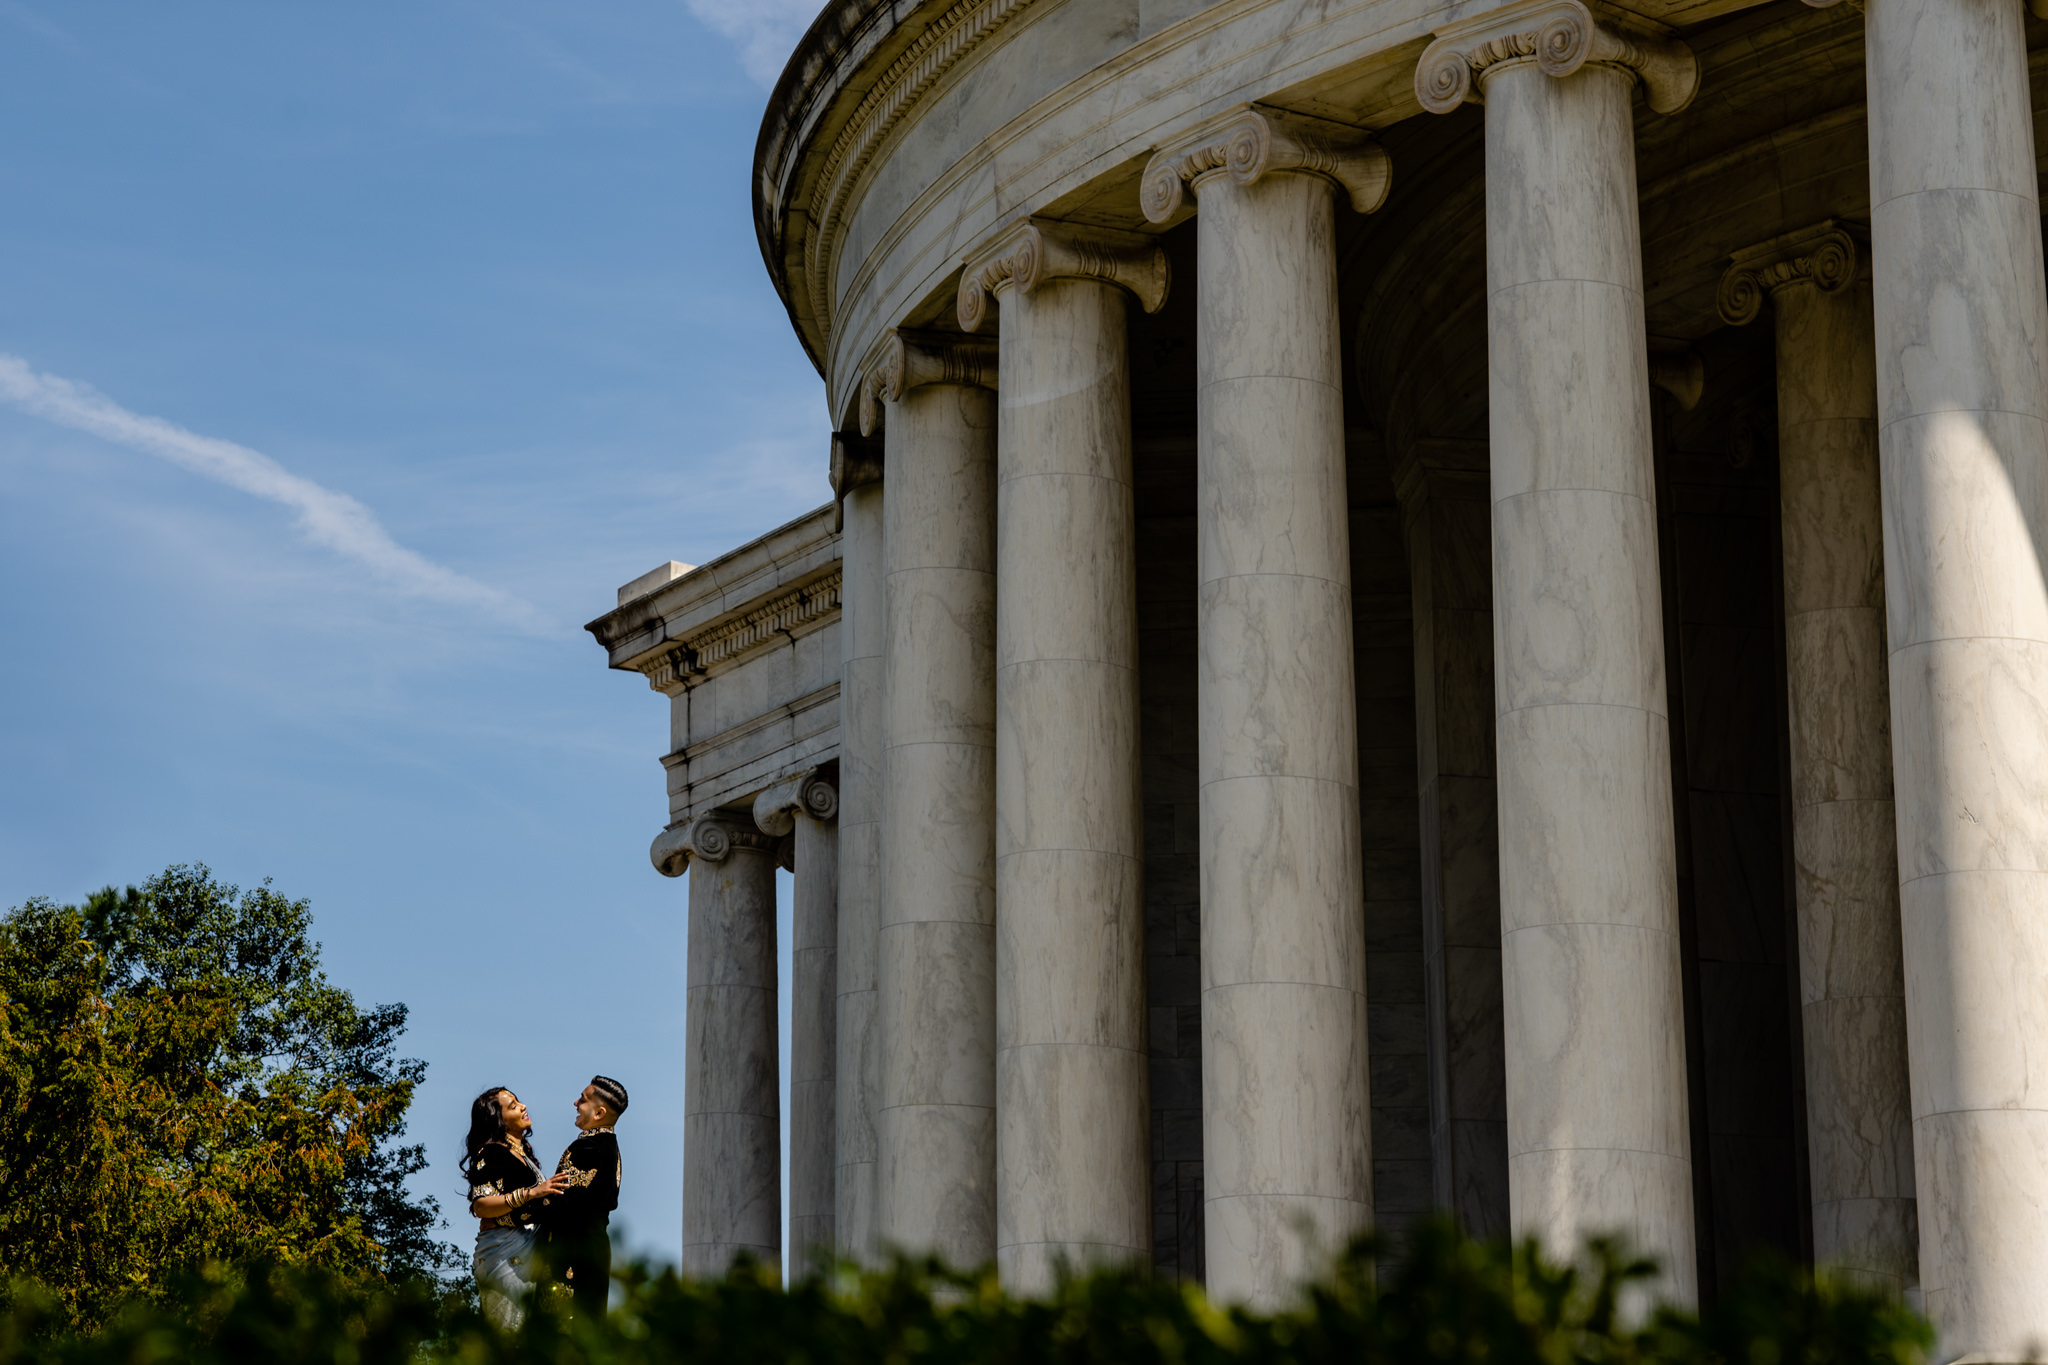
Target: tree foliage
(181,1085)
(1448,1301)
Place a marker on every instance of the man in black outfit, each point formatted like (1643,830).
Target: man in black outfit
(576,1223)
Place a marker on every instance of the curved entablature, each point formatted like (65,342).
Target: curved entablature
(902,133)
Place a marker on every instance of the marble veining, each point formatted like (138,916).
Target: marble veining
(1285,1122)
(1597,1120)
(1961,321)
(732,1122)
(1071,1067)
(935,943)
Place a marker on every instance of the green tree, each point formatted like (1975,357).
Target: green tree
(180,1084)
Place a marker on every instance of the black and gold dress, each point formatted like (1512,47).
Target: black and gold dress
(504,1259)
(576,1223)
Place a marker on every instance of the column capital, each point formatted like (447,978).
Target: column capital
(1561,36)
(1252,140)
(1824,256)
(1032,251)
(710,837)
(1677,368)
(856,463)
(775,809)
(911,358)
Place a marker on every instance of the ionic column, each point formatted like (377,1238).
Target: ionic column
(935,964)
(1845,849)
(732,1110)
(1597,1135)
(1287,1161)
(1073,1163)
(1962,383)
(863,632)
(806,808)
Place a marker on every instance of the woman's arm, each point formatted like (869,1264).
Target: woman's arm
(498,1205)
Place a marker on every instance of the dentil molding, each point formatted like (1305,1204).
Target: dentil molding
(1823,256)
(1033,251)
(709,837)
(775,809)
(693,655)
(911,359)
(1251,141)
(1562,36)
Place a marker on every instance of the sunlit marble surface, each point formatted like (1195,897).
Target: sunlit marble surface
(935,945)
(1074,1171)
(1962,381)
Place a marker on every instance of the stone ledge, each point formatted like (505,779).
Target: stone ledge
(708,602)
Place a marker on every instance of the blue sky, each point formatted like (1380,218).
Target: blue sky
(350,358)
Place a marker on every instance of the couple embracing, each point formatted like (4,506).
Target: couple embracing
(530,1225)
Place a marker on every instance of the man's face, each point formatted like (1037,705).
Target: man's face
(590,1110)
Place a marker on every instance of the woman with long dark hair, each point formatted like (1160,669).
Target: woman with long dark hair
(505,1185)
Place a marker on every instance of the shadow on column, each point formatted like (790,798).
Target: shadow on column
(1717,495)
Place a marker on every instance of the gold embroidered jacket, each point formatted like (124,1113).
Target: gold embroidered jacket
(593,1167)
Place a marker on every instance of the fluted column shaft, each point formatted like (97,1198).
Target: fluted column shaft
(1962,381)
(813,1022)
(1852,988)
(1073,1160)
(935,969)
(732,1110)
(805,810)
(1285,1115)
(1597,1136)
(863,631)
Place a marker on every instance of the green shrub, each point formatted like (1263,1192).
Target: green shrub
(1447,1299)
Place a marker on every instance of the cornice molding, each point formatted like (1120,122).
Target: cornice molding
(671,670)
(1561,36)
(1824,256)
(775,809)
(951,36)
(709,837)
(910,359)
(1251,141)
(1034,251)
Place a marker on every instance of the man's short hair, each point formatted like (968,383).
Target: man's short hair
(611,1092)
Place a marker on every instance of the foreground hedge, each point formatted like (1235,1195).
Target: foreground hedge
(1448,1300)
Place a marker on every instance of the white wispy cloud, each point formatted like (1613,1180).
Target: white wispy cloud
(766,30)
(334,521)
(35,23)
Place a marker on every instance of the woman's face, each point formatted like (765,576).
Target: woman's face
(516,1121)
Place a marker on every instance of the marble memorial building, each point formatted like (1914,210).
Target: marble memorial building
(1426,604)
